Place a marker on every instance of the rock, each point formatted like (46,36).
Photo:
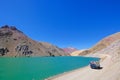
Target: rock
(3,51)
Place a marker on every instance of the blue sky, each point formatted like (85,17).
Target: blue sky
(65,23)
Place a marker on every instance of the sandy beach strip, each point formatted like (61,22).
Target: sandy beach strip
(109,72)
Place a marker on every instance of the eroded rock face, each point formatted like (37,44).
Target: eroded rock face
(23,50)
(3,51)
(6,33)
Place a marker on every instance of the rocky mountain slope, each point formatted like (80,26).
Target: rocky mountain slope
(113,50)
(14,43)
(102,44)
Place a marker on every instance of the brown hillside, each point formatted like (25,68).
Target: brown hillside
(102,44)
(14,43)
(113,50)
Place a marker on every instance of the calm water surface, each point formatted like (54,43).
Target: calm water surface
(38,68)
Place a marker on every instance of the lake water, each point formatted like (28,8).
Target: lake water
(38,68)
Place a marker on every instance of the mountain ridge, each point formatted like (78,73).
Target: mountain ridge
(14,42)
(105,42)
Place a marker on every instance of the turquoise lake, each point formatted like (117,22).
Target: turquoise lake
(39,68)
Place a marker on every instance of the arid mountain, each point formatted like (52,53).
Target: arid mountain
(105,42)
(14,43)
(69,50)
(113,50)
(102,44)
(77,53)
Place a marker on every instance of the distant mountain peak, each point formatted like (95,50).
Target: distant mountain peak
(69,50)
(6,27)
